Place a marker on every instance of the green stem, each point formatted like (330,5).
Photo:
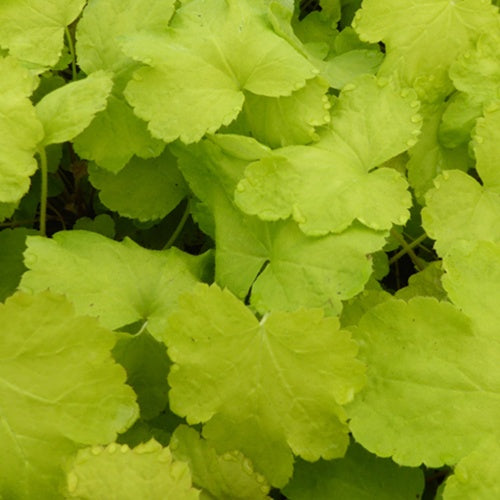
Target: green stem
(407,249)
(71,48)
(179,227)
(44,190)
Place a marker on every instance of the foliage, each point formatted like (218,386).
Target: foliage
(249,249)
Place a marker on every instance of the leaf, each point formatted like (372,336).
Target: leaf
(143,189)
(265,388)
(426,283)
(357,476)
(472,280)
(460,208)
(285,268)
(282,121)
(420,57)
(68,110)
(20,130)
(297,181)
(12,243)
(60,390)
(433,385)
(128,474)
(116,134)
(212,53)
(222,477)
(476,476)
(33,30)
(119,282)
(102,224)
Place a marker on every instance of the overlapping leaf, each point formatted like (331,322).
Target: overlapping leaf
(212,52)
(459,207)
(33,30)
(433,386)
(117,133)
(229,476)
(144,189)
(68,110)
(422,57)
(265,388)
(60,389)
(287,269)
(20,130)
(325,188)
(148,469)
(121,283)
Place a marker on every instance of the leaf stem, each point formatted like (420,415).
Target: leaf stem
(44,190)
(71,48)
(179,227)
(407,248)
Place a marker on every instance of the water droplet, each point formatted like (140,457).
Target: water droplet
(411,142)
(348,87)
(416,118)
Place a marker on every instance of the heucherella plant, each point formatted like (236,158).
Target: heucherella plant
(249,249)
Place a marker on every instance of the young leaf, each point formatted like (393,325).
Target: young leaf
(148,469)
(266,388)
(326,187)
(60,390)
(68,110)
(119,282)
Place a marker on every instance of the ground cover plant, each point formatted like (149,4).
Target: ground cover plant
(249,249)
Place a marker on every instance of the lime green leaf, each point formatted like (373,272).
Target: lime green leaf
(477,71)
(143,189)
(12,243)
(476,476)
(342,69)
(296,181)
(33,30)
(115,136)
(355,308)
(486,144)
(460,208)
(222,477)
(265,388)
(102,224)
(119,282)
(20,130)
(472,281)
(426,283)
(211,53)
(450,29)
(268,255)
(60,389)
(357,476)
(147,365)
(129,474)
(117,133)
(281,121)
(433,387)
(68,110)
(429,158)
